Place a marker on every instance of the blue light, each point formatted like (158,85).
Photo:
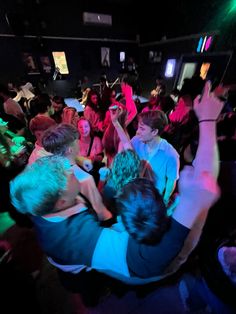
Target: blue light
(199,46)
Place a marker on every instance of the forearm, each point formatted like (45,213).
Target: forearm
(131,108)
(207,157)
(90,191)
(170,186)
(122,136)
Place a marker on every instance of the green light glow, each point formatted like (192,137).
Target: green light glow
(232,6)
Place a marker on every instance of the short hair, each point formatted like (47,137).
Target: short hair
(155,119)
(39,186)
(57,139)
(142,210)
(41,123)
(40,104)
(125,167)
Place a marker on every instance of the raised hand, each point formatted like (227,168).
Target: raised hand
(207,106)
(115,112)
(127,90)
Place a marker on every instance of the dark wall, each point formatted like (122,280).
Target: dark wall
(83,58)
(222,61)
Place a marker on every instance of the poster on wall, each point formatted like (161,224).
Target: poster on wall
(59,58)
(30,63)
(46,64)
(105,57)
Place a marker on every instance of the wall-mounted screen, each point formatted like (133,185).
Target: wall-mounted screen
(122,56)
(170,68)
(187,71)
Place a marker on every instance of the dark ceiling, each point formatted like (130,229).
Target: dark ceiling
(151,19)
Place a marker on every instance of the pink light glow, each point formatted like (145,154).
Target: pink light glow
(208,43)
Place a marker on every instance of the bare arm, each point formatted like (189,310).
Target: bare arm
(90,191)
(207,110)
(198,186)
(170,186)
(124,139)
(130,104)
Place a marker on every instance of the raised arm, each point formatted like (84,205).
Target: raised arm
(130,104)
(198,186)
(124,139)
(207,109)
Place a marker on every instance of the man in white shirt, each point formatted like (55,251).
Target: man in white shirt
(157,152)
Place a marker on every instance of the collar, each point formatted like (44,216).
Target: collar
(63,214)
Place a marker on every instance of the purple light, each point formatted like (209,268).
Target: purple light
(208,43)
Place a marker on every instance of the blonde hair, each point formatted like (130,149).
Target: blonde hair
(36,190)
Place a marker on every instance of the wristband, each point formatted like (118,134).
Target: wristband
(207,120)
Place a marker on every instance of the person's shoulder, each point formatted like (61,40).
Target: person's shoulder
(80,174)
(166,146)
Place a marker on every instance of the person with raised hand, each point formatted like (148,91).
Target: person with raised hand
(145,242)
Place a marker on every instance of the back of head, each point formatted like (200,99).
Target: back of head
(125,167)
(40,104)
(37,189)
(57,139)
(142,210)
(155,119)
(40,123)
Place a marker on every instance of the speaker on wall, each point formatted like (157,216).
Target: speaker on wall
(97,19)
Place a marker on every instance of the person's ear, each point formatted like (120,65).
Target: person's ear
(60,204)
(155,132)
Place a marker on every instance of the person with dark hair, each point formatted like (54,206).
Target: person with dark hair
(157,152)
(127,113)
(72,237)
(58,104)
(62,140)
(93,112)
(41,105)
(90,149)
(149,210)
(37,126)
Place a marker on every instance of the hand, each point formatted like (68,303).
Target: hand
(104,173)
(115,112)
(207,106)
(201,189)
(87,165)
(126,90)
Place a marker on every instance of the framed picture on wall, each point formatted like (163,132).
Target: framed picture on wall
(105,57)
(46,64)
(154,56)
(30,63)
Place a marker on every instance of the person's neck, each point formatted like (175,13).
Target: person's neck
(85,139)
(46,114)
(152,144)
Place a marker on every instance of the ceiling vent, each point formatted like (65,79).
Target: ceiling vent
(97,19)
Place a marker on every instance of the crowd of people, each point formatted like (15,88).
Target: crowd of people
(132,210)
